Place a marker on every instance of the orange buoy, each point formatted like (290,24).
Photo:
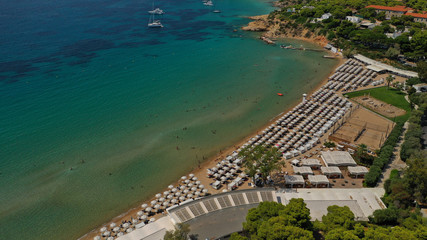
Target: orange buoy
(279,94)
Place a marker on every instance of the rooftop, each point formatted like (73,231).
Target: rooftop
(303,170)
(331,170)
(337,158)
(318,179)
(358,170)
(221,214)
(395,8)
(310,162)
(382,66)
(417,15)
(294,179)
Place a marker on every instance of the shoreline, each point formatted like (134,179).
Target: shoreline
(200,171)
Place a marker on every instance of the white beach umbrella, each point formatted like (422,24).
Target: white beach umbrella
(174,190)
(193,189)
(106,233)
(173,201)
(166,203)
(134,221)
(129,230)
(153,202)
(140,213)
(110,238)
(186,181)
(125,225)
(185,191)
(112,225)
(170,186)
(191,175)
(144,205)
(183,177)
(144,217)
(170,196)
(148,209)
(197,193)
(103,229)
(190,185)
(158,195)
(182,198)
(165,193)
(198,182)
(205,190)
(97,238)
(178,194)
(195,178)
(201,186)
(152,219)
(157,206)
(190,195)
(161,199)
(224,190)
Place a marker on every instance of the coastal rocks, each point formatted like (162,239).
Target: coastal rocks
(259,24)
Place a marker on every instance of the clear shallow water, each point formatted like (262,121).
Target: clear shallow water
(88,82)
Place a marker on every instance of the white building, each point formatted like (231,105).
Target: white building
(353,19)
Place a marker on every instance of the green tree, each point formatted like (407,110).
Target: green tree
(389,79)
(386,216)
(341,234)
(180,233)
(261,160)
(362,155)
(422,70)
(236,236)
(338,217)
(297,213)
(256,216)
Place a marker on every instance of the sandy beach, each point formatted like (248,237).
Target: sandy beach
(201,171)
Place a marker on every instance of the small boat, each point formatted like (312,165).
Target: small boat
(216,11)
(155,24)
(156,11)
(208,3)
(280,94)
(286,47)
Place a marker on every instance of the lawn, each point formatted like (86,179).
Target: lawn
(391,96)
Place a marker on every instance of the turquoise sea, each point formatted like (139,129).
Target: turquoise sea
(98,112)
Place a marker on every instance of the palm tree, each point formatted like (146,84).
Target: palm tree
(389,79)
(260,160)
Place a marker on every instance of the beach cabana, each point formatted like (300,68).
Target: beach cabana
(304,171)
(294,181)
(318,180)
(216,185)
(331,172)
(311,162)
(295,162)
(288,155)
(358,171)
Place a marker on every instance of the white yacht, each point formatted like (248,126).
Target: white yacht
(208,3)
(156,11)
(152,23)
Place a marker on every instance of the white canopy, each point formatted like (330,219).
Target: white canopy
(318,179)
(303,170)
